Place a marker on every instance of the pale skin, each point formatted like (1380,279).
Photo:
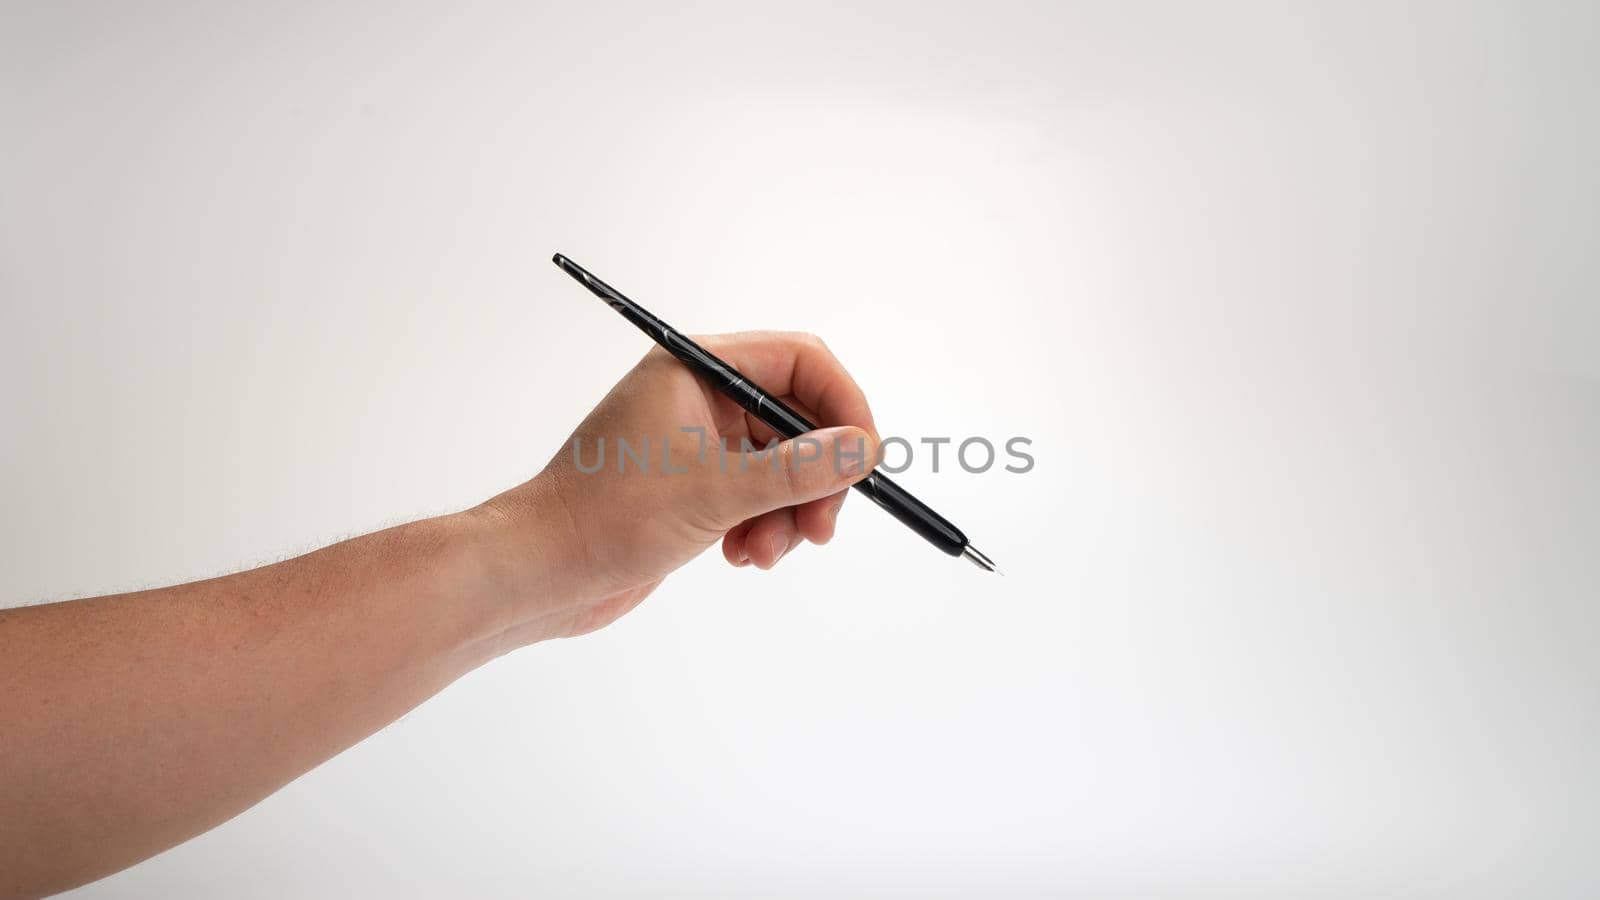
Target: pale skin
(133,722)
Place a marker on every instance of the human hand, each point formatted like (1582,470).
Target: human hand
(580,547)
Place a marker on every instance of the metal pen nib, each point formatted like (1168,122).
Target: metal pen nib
(979,560)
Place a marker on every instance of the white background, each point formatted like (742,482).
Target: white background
(1296,302)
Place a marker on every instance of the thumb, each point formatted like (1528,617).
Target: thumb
(809,467)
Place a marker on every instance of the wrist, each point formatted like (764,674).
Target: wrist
(527,567)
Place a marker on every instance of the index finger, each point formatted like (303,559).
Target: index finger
(787,363)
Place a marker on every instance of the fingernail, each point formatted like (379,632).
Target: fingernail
(833,512)
(780,546)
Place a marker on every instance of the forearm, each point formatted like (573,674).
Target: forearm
(133,722)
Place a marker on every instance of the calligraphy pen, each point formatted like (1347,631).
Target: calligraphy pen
(916,515)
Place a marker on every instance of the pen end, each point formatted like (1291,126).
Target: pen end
(571,268)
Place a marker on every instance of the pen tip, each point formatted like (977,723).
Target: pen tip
(977,558)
